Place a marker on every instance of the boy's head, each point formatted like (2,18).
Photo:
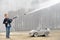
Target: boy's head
(6,15)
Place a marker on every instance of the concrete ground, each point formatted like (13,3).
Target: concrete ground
(54,35)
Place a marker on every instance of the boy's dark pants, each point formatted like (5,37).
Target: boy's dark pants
(8,31)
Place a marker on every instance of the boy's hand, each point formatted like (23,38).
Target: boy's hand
(6,22)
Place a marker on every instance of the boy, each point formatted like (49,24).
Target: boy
(7,23)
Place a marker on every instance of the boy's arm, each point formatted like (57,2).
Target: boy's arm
(4,21)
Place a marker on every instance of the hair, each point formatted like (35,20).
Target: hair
(5,14)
